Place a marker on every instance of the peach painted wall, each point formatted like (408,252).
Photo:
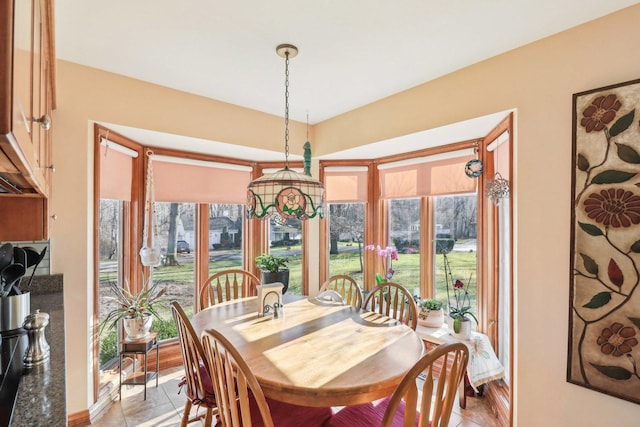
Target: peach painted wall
(537,80)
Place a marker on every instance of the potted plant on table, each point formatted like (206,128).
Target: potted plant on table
(274,269)
(135,309)
(431,313)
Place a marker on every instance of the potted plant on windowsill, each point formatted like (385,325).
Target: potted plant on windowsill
(460,314)
(274,269)
(431,313)
(135,309)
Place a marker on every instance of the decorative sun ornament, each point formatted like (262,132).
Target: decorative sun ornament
(473,168)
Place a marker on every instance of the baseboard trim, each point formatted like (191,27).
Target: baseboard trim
(79,419)
(497,394)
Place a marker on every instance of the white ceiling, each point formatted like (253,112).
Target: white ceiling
(352,52)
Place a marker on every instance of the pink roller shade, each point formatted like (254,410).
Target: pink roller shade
(431,178)
(502,156)
(116,170)
(186,183)
(345,186)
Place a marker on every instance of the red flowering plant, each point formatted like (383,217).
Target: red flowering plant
(460,309)
(388,255)
(606,252)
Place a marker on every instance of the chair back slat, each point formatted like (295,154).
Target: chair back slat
(227,285)
(234,383)
(454,357)
(393,300)
(347,287)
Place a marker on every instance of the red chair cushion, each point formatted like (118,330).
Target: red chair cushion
(288,415)
(209,399)
(366,415)
(206,380)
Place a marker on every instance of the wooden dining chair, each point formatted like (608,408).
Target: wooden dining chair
(393,300)
(240,398)
(415,402)
(197,380)
(227,285)
(347,287)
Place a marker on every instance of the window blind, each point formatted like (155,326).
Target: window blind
(196,181)
(344,184)
(427,176)
(116,170)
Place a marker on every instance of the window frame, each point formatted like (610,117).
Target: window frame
(129,233)
(254,235)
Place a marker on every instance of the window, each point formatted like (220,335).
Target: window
(422,205)
(194,195)
(346,239)
(176,226)
(115,164)
(455,221)
(225,236)
(499,214)
(285,239)
(404,235)
(504,297)
(110,243)
(346,196)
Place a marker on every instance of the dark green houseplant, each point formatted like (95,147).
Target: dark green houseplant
(274,269)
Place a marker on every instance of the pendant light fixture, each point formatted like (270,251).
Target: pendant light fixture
(285,193)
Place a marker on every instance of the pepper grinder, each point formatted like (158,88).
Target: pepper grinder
(38,351)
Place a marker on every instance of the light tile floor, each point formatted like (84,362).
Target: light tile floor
(164,407)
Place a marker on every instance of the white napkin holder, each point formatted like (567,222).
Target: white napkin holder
(269,298)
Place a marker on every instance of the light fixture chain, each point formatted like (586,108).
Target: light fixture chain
(286,110)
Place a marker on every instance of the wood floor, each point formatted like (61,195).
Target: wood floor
(164,407)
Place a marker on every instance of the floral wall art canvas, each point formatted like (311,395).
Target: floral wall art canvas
(604,304)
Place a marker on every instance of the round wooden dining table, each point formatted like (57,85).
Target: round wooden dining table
(319,353)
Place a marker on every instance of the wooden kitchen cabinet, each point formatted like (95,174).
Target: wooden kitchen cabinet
(27,97)
(22,218)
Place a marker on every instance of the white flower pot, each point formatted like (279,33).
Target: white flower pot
(431,318)
(137,328)
(465,329)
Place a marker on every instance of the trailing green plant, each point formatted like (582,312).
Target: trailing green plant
(273,264)
(134,305)
(431,304)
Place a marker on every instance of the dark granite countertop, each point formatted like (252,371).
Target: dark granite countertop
(41,399)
